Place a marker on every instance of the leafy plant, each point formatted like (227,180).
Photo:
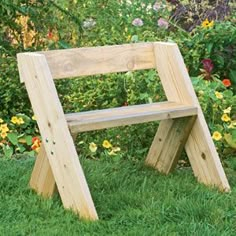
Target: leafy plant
(218,104)
(18,135)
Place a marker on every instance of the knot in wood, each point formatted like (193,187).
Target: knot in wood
(130,65)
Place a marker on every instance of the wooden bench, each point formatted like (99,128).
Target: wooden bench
(182,121)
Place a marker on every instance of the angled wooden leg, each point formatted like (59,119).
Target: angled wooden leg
(42,179)
(178,88)
(168,143)
(203,156)
(56,138)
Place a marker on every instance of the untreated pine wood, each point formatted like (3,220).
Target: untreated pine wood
(100,60)
(178,88)
(58,163)
(114,117)
(56,137)
(42,179)
(169,143)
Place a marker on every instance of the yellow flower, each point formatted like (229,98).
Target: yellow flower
(232,125)
(218,95)
(217,136)
(106,144)
(207,24)
(3,134)
(116,149)
(4,128)
(14,119)
(200,92)
(227,110)
(93,147)
(225,118)
(33,117)
(20,121)
(112,153)
(129,37)
(1,120)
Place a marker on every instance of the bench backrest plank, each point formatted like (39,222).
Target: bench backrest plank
(100,60)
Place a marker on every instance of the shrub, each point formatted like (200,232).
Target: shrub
(217,43)
(209,52)
(190,14)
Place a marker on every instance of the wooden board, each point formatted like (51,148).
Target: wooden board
(169,142)
(56,137)
(42,179)
(100,60)
(107,118)
(178,88)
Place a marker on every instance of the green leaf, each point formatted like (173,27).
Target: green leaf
(21,148)
(134,39)
(63,44)
(28,139)
(31,153)
(13,138)
(229,140)
(232,76)
(8,151)
(228,93)
(234,135)
(209,47)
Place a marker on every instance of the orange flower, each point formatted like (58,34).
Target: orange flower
(50,35)
(36,144)
(226,83)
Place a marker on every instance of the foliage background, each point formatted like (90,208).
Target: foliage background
(44,25)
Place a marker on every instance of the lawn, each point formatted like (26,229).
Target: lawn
(130,198)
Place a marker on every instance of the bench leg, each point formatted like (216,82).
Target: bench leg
(168,143)
(42,180)
(59,146)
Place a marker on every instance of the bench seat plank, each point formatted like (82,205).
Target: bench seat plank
(107,118)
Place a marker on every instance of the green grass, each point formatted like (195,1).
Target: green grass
(130,199)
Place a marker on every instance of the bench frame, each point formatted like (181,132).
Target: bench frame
(182,122)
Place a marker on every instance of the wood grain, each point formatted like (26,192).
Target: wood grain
(42,179)
(114,117)
(178,88)
(100,60)
(56,138)
(169,143)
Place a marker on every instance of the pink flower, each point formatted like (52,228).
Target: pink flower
(156,6)
(207,65)
(162,23)
(137,22)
